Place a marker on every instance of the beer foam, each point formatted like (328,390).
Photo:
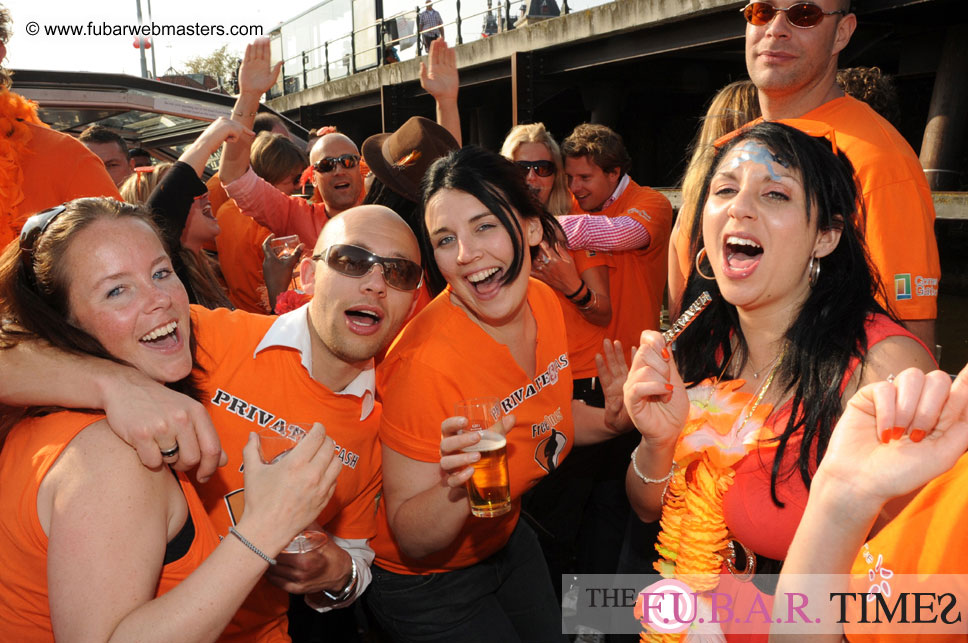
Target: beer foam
(490,441)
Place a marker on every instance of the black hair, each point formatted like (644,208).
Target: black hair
(829,329)
(497,183)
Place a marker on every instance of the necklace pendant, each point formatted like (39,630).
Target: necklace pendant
(756,376)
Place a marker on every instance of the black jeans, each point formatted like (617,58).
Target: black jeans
(507,597)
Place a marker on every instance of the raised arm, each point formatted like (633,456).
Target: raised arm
(221,130)
(256,75)
(439,78)
(144,413)
(892,439)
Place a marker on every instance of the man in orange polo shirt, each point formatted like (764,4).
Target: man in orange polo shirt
(597,165)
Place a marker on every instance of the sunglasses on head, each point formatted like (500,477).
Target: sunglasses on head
(541,168)
(33,228)
(328,163)
(354,261)
(802,14)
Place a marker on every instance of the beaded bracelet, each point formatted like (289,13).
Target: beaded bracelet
(242,114)
(235,532)
(646,479)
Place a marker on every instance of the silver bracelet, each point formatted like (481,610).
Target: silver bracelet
(346,591)
(235,532)
(646,479)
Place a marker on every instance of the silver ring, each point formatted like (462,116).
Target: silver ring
(170,453)
(890,378)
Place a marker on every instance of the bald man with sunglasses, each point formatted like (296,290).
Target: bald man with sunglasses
(792,51)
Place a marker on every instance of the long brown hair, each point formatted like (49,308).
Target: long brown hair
(34,296)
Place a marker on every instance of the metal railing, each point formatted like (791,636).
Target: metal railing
(339,57)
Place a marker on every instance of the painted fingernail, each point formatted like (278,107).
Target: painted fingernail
(665,353)
(886,436)
(917,435)
(897,432)
(670,387)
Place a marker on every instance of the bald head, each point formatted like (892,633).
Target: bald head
(341,187)
(366,224)
(332,144)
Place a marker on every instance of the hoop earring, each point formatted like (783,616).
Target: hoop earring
(813,270)
(699,257)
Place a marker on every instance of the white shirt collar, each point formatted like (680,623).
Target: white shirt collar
(619,189)
(291,330)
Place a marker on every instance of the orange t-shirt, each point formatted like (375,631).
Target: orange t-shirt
(899,224)
(56,168)
(637,283)
(924,541)
(443,357)
(216,193)
(30,450)
(269,390)
(584,337)
(239,245)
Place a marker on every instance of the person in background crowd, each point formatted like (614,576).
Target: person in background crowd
(899,210)
(732,107)
(138,157)
(116,550)
(427,20)
(29,154)
(874,87)
(138,187)
(111,149)
(793,310)
(279,161)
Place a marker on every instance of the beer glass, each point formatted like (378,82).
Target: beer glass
(274,446)
(284,246)
(488,490)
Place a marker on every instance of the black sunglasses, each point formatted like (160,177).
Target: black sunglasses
(541,168)
(328,163)
(354,261)
(33,228)
(803,14)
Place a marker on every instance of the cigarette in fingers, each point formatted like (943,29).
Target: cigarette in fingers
(687,317)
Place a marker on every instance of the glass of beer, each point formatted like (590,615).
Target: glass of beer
(273,446)
(284,246)
(488,489)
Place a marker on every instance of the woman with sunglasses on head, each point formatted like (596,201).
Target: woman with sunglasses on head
(793,330)
(441,573)
(95,546)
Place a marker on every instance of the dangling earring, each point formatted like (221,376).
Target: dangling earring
(699,258)
(813,270)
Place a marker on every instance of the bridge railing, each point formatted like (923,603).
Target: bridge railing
(396,38)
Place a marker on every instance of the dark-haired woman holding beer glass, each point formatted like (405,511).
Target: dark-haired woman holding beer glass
(442,573)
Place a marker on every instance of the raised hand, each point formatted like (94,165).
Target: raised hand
(557,269)
(613,370)
(438,76)
(895,437)
(276,270)
(655,397)
(257,73)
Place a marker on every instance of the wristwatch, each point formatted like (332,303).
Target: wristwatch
(347,591)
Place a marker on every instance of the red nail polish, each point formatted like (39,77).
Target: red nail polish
(897,432)
(886,436)
(670,387)
(917,435)
(665,353)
